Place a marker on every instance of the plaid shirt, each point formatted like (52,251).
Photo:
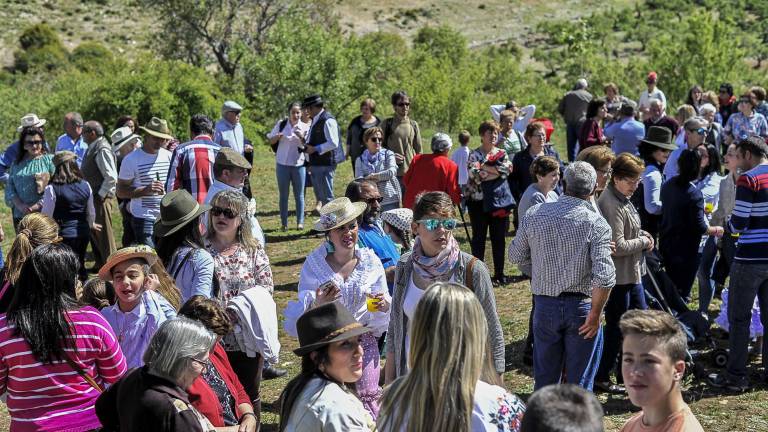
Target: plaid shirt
(192,167)
(567,245)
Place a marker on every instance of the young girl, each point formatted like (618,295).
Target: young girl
(397,224)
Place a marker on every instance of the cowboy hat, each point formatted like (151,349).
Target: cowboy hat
(325,324)
(157,127)
(31,120)
(141,251)
(339,212)
(177,209)
(660,137)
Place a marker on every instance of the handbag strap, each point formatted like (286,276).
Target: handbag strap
(83,374)
(468,272)
(181,264)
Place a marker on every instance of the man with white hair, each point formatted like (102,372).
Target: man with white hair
(72,139)
(573,108)
(714,129)
(658,117)
(566,246)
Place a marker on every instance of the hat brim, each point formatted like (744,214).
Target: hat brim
(359,208)
(41,123)
(306,349)
(161,230)
(118,145)
(156,133)
(105,272)
(661,145)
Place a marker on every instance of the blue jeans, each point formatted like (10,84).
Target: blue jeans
(142,231)
(747,281)
(322,182)
(706,284)
(557,343)
(621,299)
(572,138)
(287,177)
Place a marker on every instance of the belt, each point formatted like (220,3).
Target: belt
(572,295)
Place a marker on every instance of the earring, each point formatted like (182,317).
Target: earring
(329,247)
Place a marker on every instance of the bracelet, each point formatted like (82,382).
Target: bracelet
(240,420)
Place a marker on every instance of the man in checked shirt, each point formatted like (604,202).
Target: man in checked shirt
(566,245)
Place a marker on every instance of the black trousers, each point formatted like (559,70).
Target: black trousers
(482,222)
(248,371)
(79,246)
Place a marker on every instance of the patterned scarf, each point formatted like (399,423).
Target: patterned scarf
(372,160)
(437,268)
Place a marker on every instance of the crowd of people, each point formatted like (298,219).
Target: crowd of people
(397,326)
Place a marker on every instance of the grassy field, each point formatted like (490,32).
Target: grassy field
(287,250)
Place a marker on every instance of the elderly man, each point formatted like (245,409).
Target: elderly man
(651,92)
(142,179)
(8,157)
(433,172)
(626,133)
(658,117)
(229,133)
(72,139)
(322,147)
(402,135)
(99,170)
(566,245)
(695,132)
(192,162)
(573,108)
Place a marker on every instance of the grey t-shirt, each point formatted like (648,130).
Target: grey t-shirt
(531,197)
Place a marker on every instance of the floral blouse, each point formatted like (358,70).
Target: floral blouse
(497,158)
(740,126)
(240,270)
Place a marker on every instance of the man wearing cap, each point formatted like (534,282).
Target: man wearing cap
(433,172)
(192,162)
(652,92)
(231,172)
(401,135)
(142,179)
(626,133)
(229,131)
(8,157)
(573,108)
(99,170)
(322,147)
(125,141)
(695,132)
(72,139)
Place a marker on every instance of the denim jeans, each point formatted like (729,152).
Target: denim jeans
(142,231)
(557,343)
(747,281)
(291,177)
(572,138)
(620,300)
(322,182)
(706,284)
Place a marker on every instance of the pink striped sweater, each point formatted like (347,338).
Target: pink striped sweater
(54,397)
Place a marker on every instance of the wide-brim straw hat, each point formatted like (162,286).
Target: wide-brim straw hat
(339,212)
(177,209)
(157,127)
(141,251)
(325,324)
(660,137)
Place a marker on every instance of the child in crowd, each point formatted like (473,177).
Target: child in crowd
(139,310)
(97,293)
(461,158)
(653,365)
(397,224)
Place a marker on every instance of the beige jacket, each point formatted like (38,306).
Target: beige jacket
(625,226)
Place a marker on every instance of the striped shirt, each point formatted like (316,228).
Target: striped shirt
(143,168)
(192,167)
(53,396)
(750,216)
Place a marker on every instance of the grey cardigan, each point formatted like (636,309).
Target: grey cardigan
(625,227)
(398,322)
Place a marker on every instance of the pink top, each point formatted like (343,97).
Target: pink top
(53,396)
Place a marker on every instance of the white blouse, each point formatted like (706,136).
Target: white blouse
(366,278)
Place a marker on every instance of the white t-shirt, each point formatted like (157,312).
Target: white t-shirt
(645,98)
(461,158)
(142,169)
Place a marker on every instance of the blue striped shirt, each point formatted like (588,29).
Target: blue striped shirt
(750,216)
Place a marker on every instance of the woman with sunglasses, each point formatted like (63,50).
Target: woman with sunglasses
(29,175)
(746,122)
(379,165)
(338,270)
(436,257)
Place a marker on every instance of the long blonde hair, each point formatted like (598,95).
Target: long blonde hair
(238,203)
(34,230)
(438,392)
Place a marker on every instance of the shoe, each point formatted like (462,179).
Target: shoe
(528,359)
(300,227)
(283,228)
(500,281)
(607,387)
(722,381)
(271,372)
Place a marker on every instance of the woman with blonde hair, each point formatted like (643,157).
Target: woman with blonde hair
(443,391)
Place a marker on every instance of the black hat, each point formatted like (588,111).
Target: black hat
(310,101)
(660,137)
(324,324)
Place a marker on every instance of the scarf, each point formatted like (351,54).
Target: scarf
(437,268)
(371,161)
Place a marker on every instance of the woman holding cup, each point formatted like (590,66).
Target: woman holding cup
(339,271)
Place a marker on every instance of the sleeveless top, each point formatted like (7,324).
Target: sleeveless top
(72,208)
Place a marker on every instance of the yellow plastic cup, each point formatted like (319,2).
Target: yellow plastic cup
(372,303)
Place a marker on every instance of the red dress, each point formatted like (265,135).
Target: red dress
(431,172)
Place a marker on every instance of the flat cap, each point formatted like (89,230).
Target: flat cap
(230,158)
(231,106)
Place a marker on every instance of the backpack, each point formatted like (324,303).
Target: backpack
(274,146)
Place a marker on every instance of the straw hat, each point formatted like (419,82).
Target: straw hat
(325,324)
(141,251)
(31,120)
(157,127)
(339,212)
(177,209)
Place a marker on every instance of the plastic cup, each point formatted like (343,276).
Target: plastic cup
(372,303)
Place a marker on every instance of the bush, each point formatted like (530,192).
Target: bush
(39,36)
(89,55)
(41,50)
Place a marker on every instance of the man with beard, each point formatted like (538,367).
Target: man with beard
(371,233)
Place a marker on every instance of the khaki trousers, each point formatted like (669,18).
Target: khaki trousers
(103,242)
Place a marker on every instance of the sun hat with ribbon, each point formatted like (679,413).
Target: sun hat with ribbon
(31,120)
(325,324)
(141,251)
(177,209)
(157,127)
(399,218)
(339,212)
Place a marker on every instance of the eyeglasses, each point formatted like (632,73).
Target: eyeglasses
(228,213)
(634,181)
(433,224)
(376,199)
(541,136)
(700,131)
(205,364)
(606,173)
(404,104)
(377,140)
(33,142)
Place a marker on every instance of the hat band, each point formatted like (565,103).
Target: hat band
(344,329)
(186,216)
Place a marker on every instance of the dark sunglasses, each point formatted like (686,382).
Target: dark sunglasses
(371,200)
(377,140)
(33,142)
(433,224)
(228,213)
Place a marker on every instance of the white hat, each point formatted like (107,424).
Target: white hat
(399,218)
(31,120)
(121,137)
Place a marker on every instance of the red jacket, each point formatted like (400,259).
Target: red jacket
(202,396)
(431,172)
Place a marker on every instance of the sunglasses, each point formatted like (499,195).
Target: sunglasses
(377,140)
(404,104)
(228,213)
(606,173)
(371,200)
(33,142)
(700,131)
(433,224)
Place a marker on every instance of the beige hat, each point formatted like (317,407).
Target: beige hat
(144,252)
(227,157)
(157,127)
(31,120)
(339,212)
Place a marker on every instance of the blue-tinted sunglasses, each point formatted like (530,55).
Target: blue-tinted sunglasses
(433,224)
(700,131)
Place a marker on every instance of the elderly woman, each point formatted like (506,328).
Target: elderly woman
(746,122)
(29,175)
(286,139)
(339,270)
(378,165)
(511,140)
(322,396)
(654,149)
(356,142)
(489,199)
(217,392)
(630,241)
(55,355)
(591,133)
(436,257)
(433,172)
(152,398)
